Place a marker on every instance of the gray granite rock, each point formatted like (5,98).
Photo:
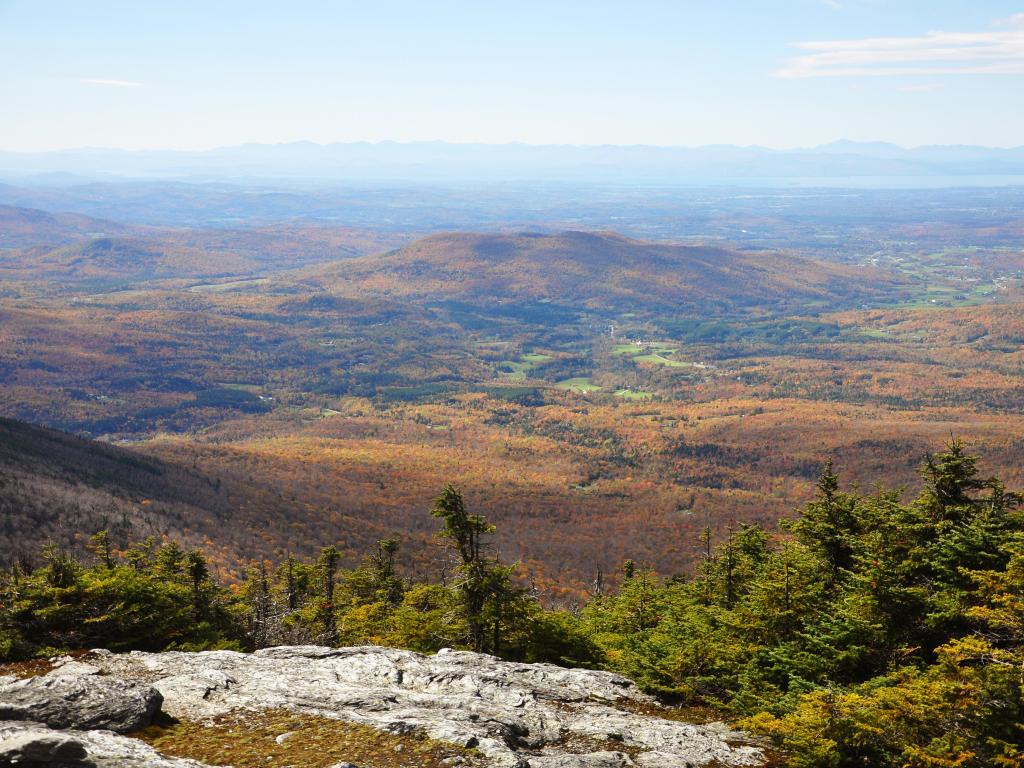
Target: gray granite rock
(33,744)
(591,760)
(80,698)
(516,715)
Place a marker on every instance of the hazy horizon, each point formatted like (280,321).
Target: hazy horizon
(852,143)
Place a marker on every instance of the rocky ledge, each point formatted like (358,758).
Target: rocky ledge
(513,715)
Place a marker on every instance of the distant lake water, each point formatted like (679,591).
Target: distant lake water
(875,182)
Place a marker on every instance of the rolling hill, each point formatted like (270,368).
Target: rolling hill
(601,271)
(37,245)
(32,228)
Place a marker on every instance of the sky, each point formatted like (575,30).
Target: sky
(777,73)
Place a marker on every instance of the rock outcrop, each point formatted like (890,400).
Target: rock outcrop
(28,745)
(515,715)
(78,697)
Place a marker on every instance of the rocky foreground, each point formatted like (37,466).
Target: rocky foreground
(83,712)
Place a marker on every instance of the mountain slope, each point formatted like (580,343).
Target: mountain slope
(55,487)
(601,271)
(28,227)
(58,488)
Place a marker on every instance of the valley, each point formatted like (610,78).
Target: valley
(512,385)
(311,382)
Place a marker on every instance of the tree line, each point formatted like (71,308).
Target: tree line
(158,596)
(867,630)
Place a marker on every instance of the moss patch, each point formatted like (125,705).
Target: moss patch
(25,669)
(249,739)
(41,665)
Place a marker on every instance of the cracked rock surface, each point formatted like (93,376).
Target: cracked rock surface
(79,698)
(27,745)
(516,715)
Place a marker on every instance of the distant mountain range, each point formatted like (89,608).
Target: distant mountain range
(441,161)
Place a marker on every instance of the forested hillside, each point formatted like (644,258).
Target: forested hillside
(512,385)
(868,629)
(55,487)
(604,272)
(78,252)
(632,391)
(37,230)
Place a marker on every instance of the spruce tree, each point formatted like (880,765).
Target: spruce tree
(327,567)
(828,524)
(464,533)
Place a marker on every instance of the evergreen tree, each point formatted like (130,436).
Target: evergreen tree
(325,618)
(464,533)
(100,546)
(828,525)
(256,593)
(375,581)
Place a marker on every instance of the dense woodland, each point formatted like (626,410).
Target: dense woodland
(865,630)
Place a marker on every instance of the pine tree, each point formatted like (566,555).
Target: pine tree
(199,577)
(100,546)
(375,579)
(61,569)
(256,592)
(465,532)
(828,525)
(950,478)
(327,568)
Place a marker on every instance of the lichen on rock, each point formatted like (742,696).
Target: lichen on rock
(511,715)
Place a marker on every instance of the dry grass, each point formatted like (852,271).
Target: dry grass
(37,667)
(248,740)
(26,669)
(698,715)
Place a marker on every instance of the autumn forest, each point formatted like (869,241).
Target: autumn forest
(741,448)
(292,381)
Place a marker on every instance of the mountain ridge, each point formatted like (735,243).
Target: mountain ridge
(37,244)
(439,160)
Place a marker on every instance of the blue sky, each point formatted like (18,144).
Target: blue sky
(193,75)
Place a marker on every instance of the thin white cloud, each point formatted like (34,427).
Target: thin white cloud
(835,5)
(1000,51)
(115,83)
(920,87)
